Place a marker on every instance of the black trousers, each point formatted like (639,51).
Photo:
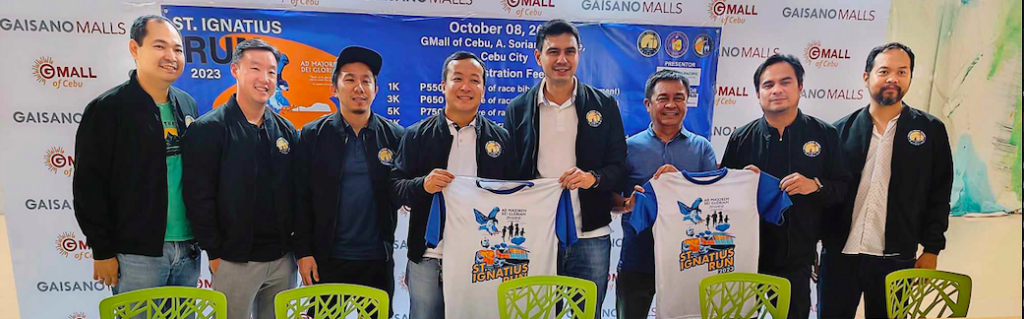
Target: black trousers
(378,274)
(634,293)
(845,278)
(800,280)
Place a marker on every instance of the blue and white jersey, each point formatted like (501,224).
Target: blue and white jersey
(705,224)
(496,231)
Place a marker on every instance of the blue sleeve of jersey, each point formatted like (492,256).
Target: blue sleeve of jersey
(435,223)
(772,202)
(565,221)
(645,211)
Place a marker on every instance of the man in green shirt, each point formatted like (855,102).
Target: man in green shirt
(128,193)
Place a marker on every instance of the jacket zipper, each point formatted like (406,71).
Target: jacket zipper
(255,186)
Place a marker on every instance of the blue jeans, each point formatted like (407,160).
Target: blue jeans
(179,266)
(425,292)
(589,259)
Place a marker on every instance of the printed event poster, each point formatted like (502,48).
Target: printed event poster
(616,58)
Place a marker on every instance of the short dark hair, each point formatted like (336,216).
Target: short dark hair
(798,68)
(459,56)
(665,75)
(554,28)
(889,46)
(254,44)
(138,31)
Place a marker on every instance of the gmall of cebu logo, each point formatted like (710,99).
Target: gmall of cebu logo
(721,10)
(302,3)
(527,8)
(57,161)
(821,56)
(402,281)
(69,246)
(45,70)
(729,95)
(78,315)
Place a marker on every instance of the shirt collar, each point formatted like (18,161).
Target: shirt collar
(889,127)
(683,133)
(543,100)
(769,131)
(454,125)
(348,127)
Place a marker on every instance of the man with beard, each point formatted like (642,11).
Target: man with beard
(345,219)
(903,165)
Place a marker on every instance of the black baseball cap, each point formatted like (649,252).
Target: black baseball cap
(359,54)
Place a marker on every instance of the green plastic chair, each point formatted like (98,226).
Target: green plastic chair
(740,295)
(332,301)
(547,297)
(918,293)
(166,303)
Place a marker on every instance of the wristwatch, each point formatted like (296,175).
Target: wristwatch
(597,179)
(820,186)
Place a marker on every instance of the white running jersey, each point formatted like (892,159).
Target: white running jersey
(496,231)
(705,224)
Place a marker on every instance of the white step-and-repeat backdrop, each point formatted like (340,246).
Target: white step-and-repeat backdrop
(59,55)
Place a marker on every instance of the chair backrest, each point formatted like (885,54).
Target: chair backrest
(547,297)
(332,301)
(744,296)
(921,293)
(166,303)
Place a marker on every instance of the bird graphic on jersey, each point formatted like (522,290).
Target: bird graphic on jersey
(488,223)
(691,213)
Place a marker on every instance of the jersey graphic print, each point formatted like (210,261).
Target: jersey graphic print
(496,231)
(708,240)
(704,224)
(172,141)
(504,260)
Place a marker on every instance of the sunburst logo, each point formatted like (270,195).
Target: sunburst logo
(509,4)
(47,72)
(613,278)
(821,56)
(527,7)
(731,13)
(67,243)
(56,161)
(812,51)
(43,69)
(69,246)
(77,315)
(716,9)
(402,281)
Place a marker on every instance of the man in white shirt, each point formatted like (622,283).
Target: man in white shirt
(903,167)
(571,131)
(476,147)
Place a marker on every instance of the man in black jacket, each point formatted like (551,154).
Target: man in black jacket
(238,187)
(805,153)
(433,151)
(568,130)
(345,219)
(903,169)
(127,189)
